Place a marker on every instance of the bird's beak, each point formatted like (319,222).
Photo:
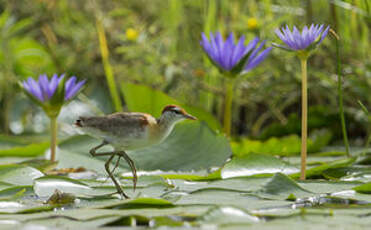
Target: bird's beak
(189,116)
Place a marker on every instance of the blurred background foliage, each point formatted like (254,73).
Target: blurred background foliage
(153,50)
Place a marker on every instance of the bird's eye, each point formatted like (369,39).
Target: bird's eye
(177,111)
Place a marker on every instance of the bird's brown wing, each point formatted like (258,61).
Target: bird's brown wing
(119,124)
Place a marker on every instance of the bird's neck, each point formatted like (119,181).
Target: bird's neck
(165,126)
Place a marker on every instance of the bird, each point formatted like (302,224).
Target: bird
(130,131)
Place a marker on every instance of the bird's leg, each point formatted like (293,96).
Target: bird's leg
(117,164)
(110,174)
(132,166)
(94,153)
(117,185)
(113,170)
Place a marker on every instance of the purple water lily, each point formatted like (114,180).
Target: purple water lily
(44,89)
(51,95)
(72,87)
(300,41)
(227,55)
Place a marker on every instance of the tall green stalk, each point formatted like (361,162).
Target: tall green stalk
(107,66)
(228,106)
(304,116)
(207,98)
(340,93)
(53,140)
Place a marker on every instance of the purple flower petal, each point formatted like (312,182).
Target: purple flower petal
(215,51)
(280,34)
(72,91)
(206,45)
(35,89)
(324,34)
(44,89)
(251,45)
(70,83)
(300,41)
(258,59)
(53,84)
(26,86)
(44,86)
(253,54)
(238,51)
(226,53)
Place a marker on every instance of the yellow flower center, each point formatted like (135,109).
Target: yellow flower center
(252,23)
(131,34)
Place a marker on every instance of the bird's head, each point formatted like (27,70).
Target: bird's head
(174,113)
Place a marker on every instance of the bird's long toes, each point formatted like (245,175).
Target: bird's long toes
(135,179)
(123,195)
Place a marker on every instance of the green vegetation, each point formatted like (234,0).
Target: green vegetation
(237,166)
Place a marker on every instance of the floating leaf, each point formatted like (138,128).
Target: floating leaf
(141,98)
(142,202)
(283,146)
(214,196)
(12,193)
(283,187)
(191,146)
(228,215)
(364,188)
(10,206)
(255,164)
(31,150)
(239,184)
(318,170)
(19,175)
(46,186)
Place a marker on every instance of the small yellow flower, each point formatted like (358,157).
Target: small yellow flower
(252,23)
(131,34)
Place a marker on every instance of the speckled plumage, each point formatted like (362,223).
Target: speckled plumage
(129,131)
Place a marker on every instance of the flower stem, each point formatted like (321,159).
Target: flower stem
(304,117)
(228,107)
(340,93)
(53,140)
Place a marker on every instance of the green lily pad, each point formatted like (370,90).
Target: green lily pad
(318,170)
(141,98)
(214,196)
(10,206)
(12,193)
(19,175)
(141,202)
(30,150)
(45,187)
(191,146)
(240,184)
(283,187)
(228,215)
(364,188)
(256,164)
(327,187)
(283,146)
